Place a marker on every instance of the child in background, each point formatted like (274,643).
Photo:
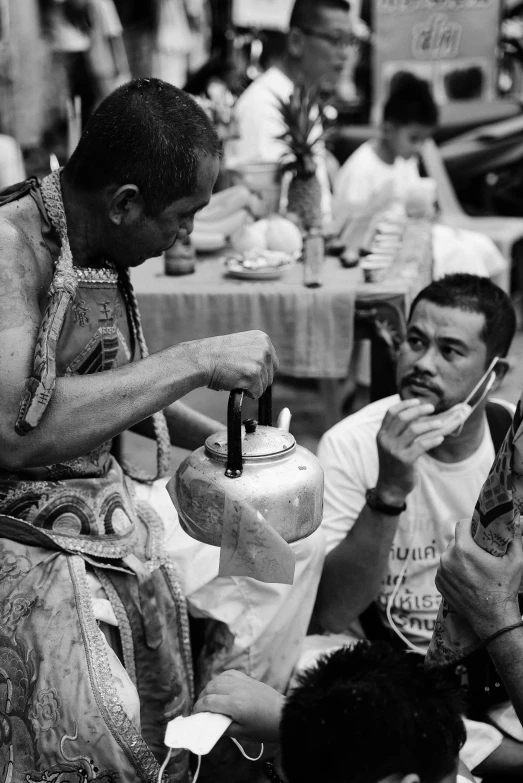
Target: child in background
(382,170)
(365,714)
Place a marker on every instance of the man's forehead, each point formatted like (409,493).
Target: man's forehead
(447,321)
(332,19)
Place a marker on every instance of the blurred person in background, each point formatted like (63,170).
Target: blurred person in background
(315,53)
(385,170)
(87,42)
(182,39)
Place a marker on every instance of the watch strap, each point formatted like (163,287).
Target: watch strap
(377,504)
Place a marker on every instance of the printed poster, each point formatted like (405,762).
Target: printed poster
(449,43)
(262,14)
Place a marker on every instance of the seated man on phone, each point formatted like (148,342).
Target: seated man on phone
(402,471)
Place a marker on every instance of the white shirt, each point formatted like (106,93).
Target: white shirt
(364,177)
(444,493)
(260,124)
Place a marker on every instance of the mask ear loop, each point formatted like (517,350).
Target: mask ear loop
(197,773)
(244,753)
(395,592)
(488,387)
(166,761)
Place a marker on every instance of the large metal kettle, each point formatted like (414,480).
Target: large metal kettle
(260,464)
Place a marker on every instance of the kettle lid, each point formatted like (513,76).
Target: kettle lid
(257,441)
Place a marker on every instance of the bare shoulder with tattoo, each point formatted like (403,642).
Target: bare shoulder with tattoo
(25,274)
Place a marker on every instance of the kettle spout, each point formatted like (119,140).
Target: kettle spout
(284,420)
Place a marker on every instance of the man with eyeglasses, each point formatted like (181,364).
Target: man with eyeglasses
(315,52)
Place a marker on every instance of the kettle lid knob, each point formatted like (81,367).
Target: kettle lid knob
(250,425)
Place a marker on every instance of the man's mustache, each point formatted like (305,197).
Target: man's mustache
(422,380)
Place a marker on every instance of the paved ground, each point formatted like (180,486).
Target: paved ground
(304,402)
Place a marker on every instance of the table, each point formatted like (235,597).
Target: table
(313,329)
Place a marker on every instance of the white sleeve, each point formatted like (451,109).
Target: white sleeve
(360,189)
(353,188)
(345,485)
(259,125)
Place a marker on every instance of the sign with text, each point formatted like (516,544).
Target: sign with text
(449,43)
(262,14)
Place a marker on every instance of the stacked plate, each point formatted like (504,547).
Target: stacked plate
(383,248)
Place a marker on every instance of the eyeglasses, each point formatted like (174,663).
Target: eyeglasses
(339,41)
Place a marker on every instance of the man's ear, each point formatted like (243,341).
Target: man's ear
(123,203)
(296,43)
(501,369)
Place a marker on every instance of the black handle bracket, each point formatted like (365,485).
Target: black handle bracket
(234,465)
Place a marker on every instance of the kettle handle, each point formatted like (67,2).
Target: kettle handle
(234,466)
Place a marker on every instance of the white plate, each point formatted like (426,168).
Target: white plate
(263,273)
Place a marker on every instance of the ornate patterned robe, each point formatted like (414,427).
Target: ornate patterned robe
(65,714)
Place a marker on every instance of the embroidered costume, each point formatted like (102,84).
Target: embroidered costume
(68,707)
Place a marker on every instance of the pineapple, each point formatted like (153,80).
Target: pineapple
(303,130)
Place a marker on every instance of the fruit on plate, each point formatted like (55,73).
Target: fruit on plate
(272,233)
(256,260)
(207,241)
(284,235)
(250,237)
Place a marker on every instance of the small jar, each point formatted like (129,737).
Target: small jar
(313,258)
(180,259)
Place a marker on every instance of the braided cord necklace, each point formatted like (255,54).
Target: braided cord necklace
(41,384)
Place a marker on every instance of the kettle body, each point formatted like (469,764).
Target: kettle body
(261,466)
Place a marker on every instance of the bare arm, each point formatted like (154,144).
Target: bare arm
(484,590)
(353,571)
(188,428)
(85,411)
(507,655)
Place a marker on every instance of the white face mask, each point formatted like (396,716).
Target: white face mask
(452,420)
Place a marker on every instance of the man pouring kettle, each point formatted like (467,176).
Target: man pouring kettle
(95,573)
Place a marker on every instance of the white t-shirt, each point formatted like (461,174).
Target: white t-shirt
(444,493)
(260,124)
(364,177)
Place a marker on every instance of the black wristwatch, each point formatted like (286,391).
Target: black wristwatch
(377,504)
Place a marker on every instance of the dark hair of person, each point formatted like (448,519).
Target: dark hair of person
(367,712)
(307,13)
(476,294)
(410,101)
(147,133)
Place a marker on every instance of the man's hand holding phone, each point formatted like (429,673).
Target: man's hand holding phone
(408,431)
